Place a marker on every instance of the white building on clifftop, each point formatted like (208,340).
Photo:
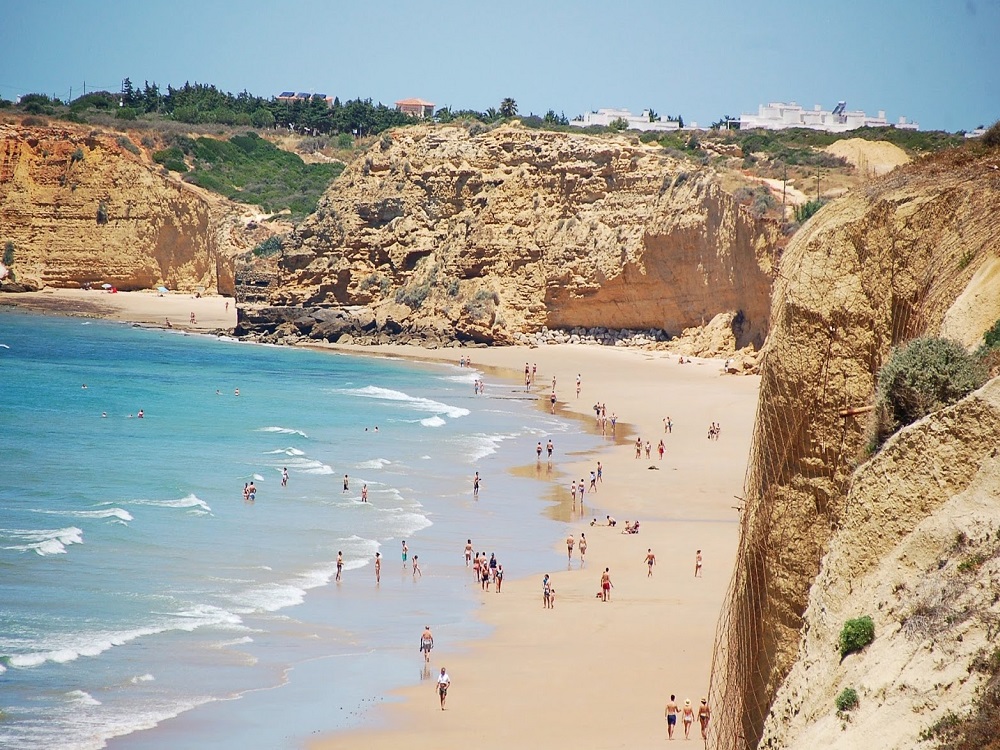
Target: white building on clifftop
(604,117)
(779,115)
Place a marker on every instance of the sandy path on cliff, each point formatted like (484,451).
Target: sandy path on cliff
(588,674)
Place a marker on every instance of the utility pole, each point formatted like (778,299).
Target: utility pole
(817,186)
(784,183)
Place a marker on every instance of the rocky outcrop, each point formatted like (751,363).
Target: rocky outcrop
(512,230)
(84,206)
(884,264)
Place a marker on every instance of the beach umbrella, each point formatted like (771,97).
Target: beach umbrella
(162,289)
(105,286)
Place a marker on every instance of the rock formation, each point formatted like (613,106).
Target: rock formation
(83,206)
(918,552)
(440,233)
(896,259)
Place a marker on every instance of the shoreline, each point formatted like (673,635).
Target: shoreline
(558,671)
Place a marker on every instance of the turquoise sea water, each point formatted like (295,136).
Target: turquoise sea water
(138,589)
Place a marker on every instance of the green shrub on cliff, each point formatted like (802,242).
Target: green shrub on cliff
(847,700)
(856,634)
(925,375)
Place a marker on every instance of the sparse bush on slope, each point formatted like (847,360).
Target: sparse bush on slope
(922,376)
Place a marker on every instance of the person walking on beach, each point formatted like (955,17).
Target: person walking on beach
(687,716)
(606,585)
(668,425)
(697,564)
(548,449)
(583,548)
(538,450)
(405,551)
(475,485)
(578,383)
(638,447)
(468,552)
(378,567)
(340,565)
(572,489)
(426,643)
(416,568)
(650,562)
(660,449)
(552,403)
(600,473)
(546,593)
(476,565)
(499,577)
(704,714)
(593,481)
(569,547)
(443,683)
(670,713)
(579,489)
(649,449)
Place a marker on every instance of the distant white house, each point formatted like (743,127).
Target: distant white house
(604,117)
(779,115)
(976,133)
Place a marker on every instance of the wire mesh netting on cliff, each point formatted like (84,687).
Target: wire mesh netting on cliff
(868,277)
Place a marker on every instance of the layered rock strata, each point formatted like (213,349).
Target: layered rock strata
(480,237)
(84,206)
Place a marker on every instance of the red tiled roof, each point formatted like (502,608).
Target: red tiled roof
(414,103)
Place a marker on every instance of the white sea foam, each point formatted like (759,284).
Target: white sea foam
(140,678)
(286,452)
(315,467)
(258,478)
(482,445)
(83,698)
(60,649)
(271,597)
(190,502)
(401,522)
(282,430)
(469,376)
(41,541)
(119,513)
(434,421)
(375,463)
(416,402)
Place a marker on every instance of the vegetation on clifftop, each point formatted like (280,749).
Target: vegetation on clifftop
(249,169)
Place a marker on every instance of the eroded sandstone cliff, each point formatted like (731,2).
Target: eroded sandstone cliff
(884,264)
(483,236)
(82,206)
(918,552)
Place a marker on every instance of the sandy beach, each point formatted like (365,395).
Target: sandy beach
(584,673)
(587,673)
(211,312)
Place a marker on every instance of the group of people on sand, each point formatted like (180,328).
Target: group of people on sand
(688,714)
(529,376)
(484,572)
(443,679)
(714,430)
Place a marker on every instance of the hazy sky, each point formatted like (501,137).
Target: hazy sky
(935,61)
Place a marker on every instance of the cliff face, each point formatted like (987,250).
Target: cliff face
(918,552)
(896,259)
(81,207)
(514,229)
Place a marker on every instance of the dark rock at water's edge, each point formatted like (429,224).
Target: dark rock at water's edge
(361,325)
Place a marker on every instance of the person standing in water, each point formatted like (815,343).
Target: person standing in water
(416,567)
(340,565)
(475,485)
(378,567)
(346,483)
(426,643)
(284,476)
(405,551)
